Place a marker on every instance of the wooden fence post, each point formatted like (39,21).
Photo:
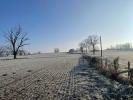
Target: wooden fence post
(106,63)
(131,75)
(101,47)
(128,70)
(116,64)
(101,62)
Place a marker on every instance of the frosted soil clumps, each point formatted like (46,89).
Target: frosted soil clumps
(97,87)
(57,77)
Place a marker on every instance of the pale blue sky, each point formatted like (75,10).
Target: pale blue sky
(64,23)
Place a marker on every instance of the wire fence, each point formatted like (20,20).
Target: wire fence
(111,67)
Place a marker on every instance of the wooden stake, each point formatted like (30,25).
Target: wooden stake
(101,46)
(129,70)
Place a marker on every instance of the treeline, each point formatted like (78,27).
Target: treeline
(90,44)
(125,46)
(5,51)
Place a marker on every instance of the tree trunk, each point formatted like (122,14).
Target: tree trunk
(15,55)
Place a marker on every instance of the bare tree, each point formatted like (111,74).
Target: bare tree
(93,40)
(71,51)
(56,50)
(86,45)
(82,46)
(16,40)
(22,52)
(2,51)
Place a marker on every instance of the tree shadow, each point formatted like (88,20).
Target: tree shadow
(86,83)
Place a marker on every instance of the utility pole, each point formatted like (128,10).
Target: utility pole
(101,46)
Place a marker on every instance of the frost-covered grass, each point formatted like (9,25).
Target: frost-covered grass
(55,77)
(22,73)
(125,56)
(34,62)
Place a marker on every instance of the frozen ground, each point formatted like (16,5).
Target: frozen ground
(125,56)
(56,77)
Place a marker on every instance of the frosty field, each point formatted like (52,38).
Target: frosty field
(124,56)
(23,73)
(53,77)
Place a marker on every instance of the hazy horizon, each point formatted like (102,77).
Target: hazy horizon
(64,23)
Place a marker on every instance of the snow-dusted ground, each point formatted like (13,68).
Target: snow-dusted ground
(32,62)
(125,56)
(17,74)
(56,77)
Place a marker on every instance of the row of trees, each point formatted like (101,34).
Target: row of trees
(16,39)
(89,44)
(125,46)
